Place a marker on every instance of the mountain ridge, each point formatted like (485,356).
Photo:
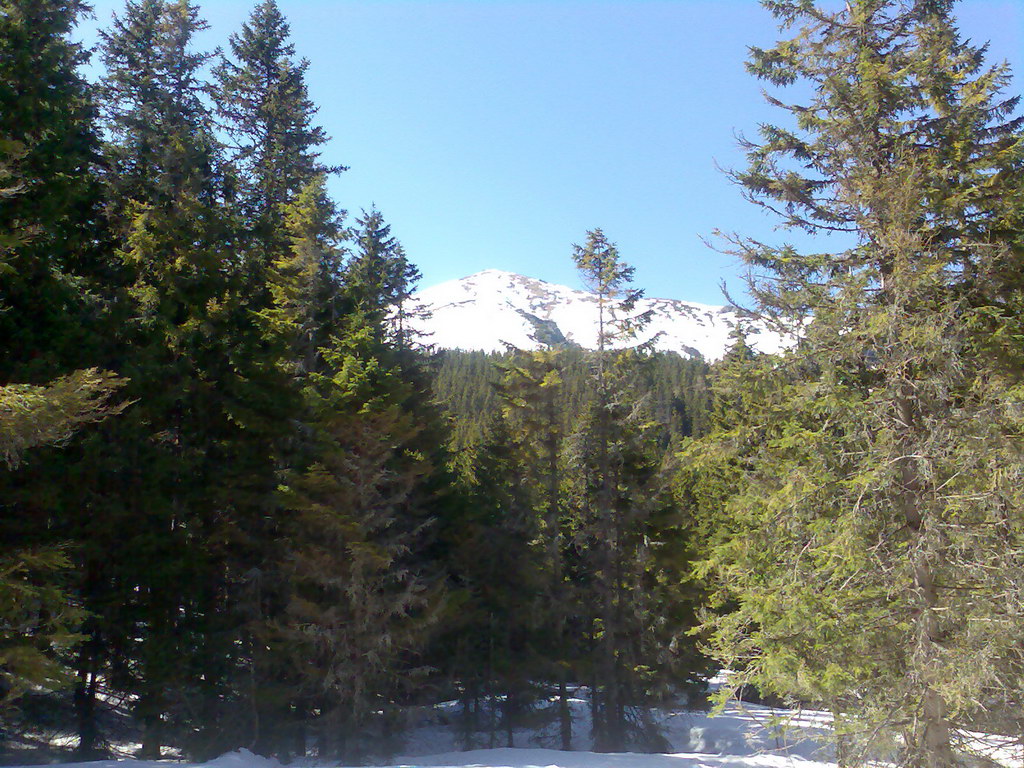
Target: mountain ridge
(492,309)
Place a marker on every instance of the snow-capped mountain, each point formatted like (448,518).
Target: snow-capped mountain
(485,310)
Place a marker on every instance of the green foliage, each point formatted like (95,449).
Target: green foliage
(608,278)
(187,344)
(31,416)
(858,488)
(161,135)
(37,620)
(674,388)
(618,490)
(37,616)
(52,319)
(264,105)
(487,640)
(358,601)
(380,281)
(280,531)
(303,280)
(594,546)
(49,219)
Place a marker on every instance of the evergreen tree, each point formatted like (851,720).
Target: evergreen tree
(291,255)
(161,138)
(872,532)
(675,387)
(264,104)
(37,615)
(305,282)
(305,314)
(381,280)
(543,445)
(177,457)
(618,487)
(291,261)
(357,599)
(54,323)
(496,613)
(31,416)
(464,386)
(50,217)
(354,598)
(531,391)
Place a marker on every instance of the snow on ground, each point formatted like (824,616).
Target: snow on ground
(241,758)
(550,758)
(741,729)
(742,736)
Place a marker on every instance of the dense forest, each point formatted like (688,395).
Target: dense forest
(673,389)
(243,505)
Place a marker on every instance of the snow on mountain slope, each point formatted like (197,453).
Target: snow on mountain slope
(488,309)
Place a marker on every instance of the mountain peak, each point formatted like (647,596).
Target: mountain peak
(501,277)
(492,308)
(494,273)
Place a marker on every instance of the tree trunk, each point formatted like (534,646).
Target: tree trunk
(931,746)
(85,706)
(844,758)
(564,714)
(611,739)
(152,702)
(554,538)
(325,742)
(509,715)
(150,748)
(596,726)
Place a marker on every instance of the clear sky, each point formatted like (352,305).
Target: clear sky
(495,134)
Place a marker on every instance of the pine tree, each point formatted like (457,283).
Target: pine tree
(162,142)
(305,282)
(263,101)
(31,416)
(355,605)
(496,609)
(291,259)
(306,311)
(676,387)
(381,280)
(356,600)
(175,458)
(37,615)
(617,486)
(531,393)
(54,320)
(50,217)
(872,532)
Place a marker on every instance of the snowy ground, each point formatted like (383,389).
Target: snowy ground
(743,736)
(742,730)
(746,736)
(515,758)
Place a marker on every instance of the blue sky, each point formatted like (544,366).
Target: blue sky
(495,134)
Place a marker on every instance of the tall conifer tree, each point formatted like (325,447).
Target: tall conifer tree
(619,489)
(531,390)
(875,527)
(263,102)
(358,597)
(305,281)
(175,247)
(54,259)
(50,217)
